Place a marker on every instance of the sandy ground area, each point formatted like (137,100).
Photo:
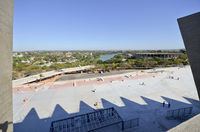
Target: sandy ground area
(138,94)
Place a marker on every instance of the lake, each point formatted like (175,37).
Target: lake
(107,57)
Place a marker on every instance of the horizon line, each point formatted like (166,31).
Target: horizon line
(98,50)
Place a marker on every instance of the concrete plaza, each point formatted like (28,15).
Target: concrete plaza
(138,94)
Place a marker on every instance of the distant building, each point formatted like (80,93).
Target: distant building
(68,54)
(130,55)
(47,64)
(17,55)
(72,60)
(161,55)
(60,62)
(124,59)
(25,61)
(32,58)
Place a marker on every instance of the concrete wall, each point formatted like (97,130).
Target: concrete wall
(6,40)
(190,30)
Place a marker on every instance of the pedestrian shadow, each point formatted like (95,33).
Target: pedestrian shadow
(175,104)
(151,114)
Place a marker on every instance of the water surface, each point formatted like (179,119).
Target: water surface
(107,57)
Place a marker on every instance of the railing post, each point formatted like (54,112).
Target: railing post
(190,110)
(122,125)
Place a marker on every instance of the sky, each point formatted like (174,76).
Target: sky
(99,24)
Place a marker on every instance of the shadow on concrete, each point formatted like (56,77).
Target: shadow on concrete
(4,126)
(151,115)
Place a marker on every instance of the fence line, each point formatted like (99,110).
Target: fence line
(87,122)
(180,113)
(131,123)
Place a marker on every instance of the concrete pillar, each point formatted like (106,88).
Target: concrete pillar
(6,41)
(190,31)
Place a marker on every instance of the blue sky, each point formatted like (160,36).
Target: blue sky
(99,24)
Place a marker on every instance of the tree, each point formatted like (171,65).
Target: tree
(185,62)
(57,66)
(114,66)
(140,62)
(14,75)
(32,69)
(99,62)
(178,61)
(118,56)
(41,77)
(183,51)
(21,67)
(183,56)
(106,68)
(158,60)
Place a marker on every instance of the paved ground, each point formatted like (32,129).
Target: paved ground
(91,75)
(134,95)
(48,74)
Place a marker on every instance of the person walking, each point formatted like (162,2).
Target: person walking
(163,103)
(169,105)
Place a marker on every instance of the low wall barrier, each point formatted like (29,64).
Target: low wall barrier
(181,113)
